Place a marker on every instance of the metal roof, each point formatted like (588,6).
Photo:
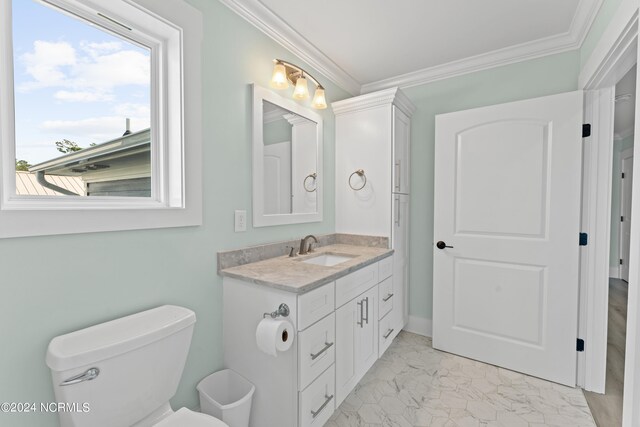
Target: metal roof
(27,185)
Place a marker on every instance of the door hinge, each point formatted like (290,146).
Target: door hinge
(621,219)
(621,262)
(622,175)
(580,345)
(584,238)
(586,130)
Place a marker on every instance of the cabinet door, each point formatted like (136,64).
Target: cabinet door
(401,154)
(367,333)
(347,325)
(400,243)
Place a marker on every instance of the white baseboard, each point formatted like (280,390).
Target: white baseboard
(420,326)
(614,272)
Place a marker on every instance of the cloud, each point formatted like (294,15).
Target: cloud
(91,73)
(94,49)
(82,96)
(45,64)
(95,129)
(133,110)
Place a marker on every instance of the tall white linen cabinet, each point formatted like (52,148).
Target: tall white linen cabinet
(373,186)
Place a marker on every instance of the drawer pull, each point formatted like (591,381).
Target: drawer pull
(387,298)
(389,332)
(366,300)
(326,347)
(326,402)
(361,322)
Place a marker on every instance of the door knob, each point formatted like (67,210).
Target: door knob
(442,245)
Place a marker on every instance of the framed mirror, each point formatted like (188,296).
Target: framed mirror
(287,161)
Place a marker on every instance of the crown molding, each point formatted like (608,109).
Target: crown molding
(393,96)
(272,116)
(273,26)
(570,40)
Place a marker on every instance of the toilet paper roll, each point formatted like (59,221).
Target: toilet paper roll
(274,335)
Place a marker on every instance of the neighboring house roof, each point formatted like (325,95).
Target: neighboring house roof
(100,156)
(27,185)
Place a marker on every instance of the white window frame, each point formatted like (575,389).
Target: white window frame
(173,33)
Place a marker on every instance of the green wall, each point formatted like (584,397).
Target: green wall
(538,77)
(275,132)
(606,12)
(57,284)
(618,147)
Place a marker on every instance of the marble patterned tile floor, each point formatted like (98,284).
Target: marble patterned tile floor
(415,385)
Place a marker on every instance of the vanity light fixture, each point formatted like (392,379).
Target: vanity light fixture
(285,72)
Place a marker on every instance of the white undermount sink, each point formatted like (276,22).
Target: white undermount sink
(328,259)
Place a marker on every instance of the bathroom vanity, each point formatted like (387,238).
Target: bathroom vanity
(340,299)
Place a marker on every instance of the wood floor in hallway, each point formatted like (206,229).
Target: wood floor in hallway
(607,408)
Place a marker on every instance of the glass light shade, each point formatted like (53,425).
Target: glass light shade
(302,90)
(279,78)
(319,101)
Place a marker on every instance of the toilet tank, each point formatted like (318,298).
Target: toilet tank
(140,359)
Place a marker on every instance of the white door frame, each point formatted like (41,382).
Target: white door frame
(624,154)
(614,55)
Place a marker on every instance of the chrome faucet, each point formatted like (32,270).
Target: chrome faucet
(303,244)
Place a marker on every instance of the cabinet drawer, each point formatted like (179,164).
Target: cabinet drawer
(314,305)
(352,285)
(385,268)
(316,347)
(317,402)
(385,297)
(387,332)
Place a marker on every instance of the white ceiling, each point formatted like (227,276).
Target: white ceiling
(365,45)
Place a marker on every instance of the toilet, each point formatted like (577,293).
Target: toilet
(123,373)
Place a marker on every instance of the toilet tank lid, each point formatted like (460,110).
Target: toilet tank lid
(109,339)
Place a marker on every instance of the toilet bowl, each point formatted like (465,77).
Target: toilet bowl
(125,371)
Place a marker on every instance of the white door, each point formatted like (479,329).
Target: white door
(625,211)
(507,199)
(277,178)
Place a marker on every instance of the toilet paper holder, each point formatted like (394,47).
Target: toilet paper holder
(283,310)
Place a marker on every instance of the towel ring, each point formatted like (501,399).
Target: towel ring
(304,183)
(361,174)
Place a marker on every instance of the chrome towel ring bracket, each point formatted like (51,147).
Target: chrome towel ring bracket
(313,176)
(360,173)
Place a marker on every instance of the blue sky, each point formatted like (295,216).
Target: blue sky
(73,81)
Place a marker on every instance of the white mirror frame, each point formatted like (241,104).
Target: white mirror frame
(260,219)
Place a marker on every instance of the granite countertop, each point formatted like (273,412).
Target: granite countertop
(290,274)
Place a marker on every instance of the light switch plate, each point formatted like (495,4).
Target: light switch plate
(241,221)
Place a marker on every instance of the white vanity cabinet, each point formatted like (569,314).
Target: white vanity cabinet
(337,341)
(373,134)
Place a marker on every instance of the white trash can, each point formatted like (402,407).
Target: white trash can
(227,396)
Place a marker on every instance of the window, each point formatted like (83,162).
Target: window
(93,115)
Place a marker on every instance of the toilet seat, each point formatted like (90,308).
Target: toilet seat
(183,417)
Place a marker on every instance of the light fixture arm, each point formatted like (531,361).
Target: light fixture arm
(293,70)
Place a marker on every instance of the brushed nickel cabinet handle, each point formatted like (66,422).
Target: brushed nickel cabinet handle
(387,298)
(326,402)
(326,347)
(366,300)
(389,332)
